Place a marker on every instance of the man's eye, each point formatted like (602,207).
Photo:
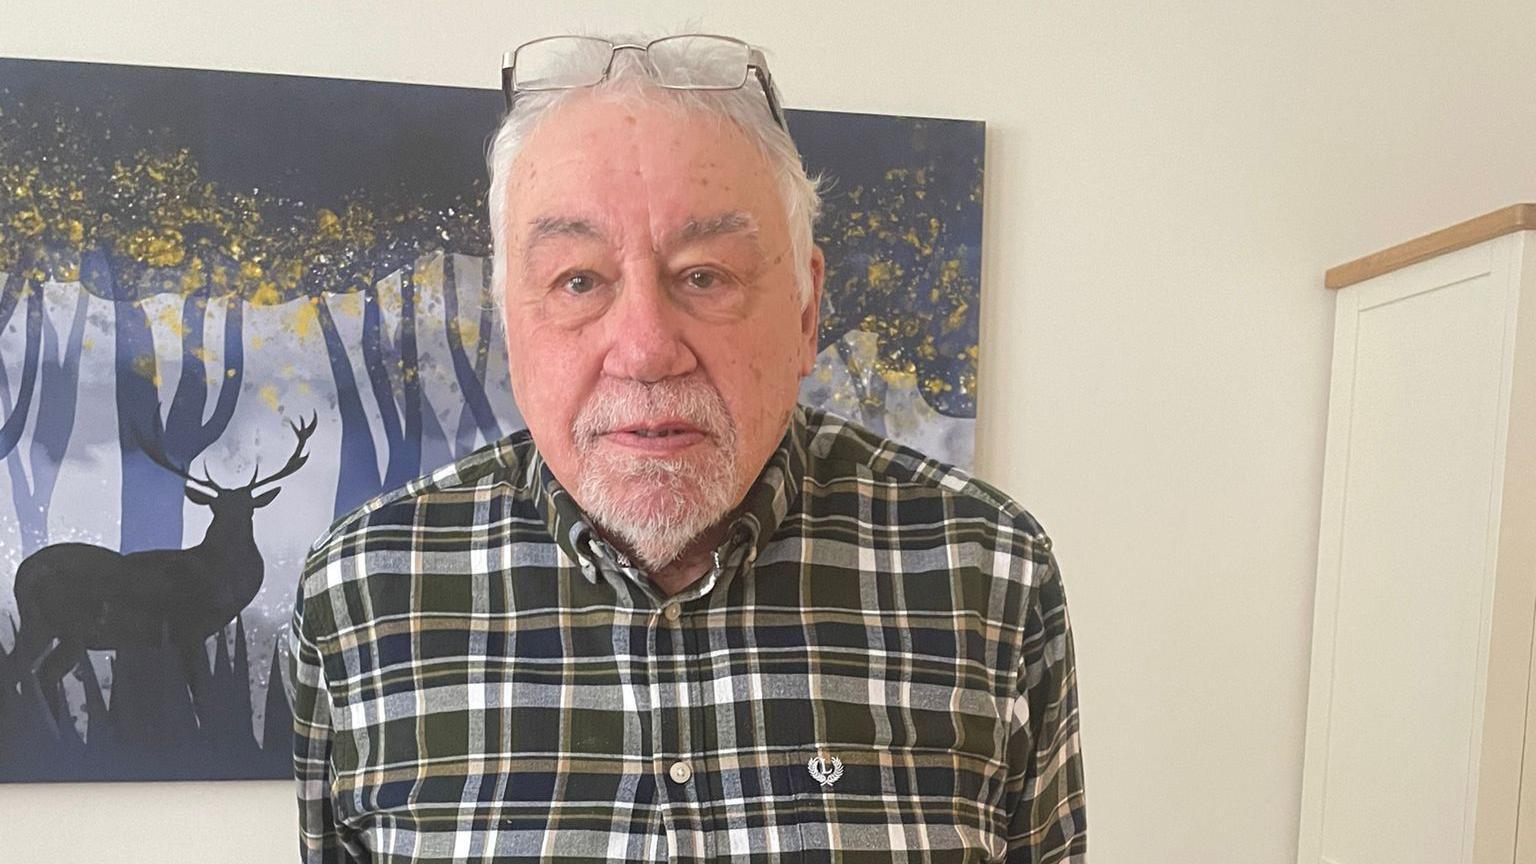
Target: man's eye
(702,279)
(579,283)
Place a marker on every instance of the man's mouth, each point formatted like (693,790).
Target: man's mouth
(664,437)
(658,433)
(662,427)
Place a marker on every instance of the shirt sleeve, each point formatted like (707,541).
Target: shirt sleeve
(320,840)
(1047,815)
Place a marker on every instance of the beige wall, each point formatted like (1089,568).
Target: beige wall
(1166,182)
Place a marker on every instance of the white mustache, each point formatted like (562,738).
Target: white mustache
(617,404)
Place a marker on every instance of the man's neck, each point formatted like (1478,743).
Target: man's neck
(696,559)
(675,578)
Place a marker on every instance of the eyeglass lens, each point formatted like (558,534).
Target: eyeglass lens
(674,61)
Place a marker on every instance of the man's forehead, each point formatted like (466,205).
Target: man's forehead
(602,168)
(604,140)
(691,228)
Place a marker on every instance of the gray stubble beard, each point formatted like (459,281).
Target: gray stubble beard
(656,506)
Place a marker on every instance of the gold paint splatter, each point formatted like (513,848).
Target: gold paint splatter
(265,295)
(306,319)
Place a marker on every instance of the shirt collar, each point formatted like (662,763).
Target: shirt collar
(764,508)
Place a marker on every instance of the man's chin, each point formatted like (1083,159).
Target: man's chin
(657,517)
(633,469)
(657,529)
(658,505)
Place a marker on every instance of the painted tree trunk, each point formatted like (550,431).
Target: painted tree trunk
(58,390)
(16,419)
(470,380)
(358,471)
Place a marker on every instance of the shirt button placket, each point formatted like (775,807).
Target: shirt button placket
(680,771)
(675,735)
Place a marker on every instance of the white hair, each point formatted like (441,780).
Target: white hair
(744,106)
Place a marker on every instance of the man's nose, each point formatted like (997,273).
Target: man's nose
(647,332)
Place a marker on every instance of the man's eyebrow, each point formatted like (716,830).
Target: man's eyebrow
(731,222)
(549,227)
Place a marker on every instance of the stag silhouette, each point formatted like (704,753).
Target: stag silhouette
(75,596)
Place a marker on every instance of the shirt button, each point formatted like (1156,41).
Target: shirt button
(680,772)
(672,613)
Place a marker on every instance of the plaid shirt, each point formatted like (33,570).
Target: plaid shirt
(879,667)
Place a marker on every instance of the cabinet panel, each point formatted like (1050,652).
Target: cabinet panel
(1412,562)
(1411,626)
(1423,690)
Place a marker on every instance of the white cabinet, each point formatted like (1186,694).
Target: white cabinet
(1421,703)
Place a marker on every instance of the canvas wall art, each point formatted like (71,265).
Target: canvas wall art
(236,306)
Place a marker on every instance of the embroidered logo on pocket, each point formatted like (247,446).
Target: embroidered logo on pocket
(824,773)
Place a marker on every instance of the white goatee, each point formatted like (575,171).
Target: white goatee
(655,505)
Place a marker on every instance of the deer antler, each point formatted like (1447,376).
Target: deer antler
(299,457)
(157,456)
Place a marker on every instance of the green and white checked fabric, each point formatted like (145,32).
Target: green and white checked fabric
(879,668)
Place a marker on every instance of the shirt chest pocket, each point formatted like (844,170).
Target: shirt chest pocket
(879,798)
(893,777)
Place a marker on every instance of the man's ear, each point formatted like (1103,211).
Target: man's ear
(810,316)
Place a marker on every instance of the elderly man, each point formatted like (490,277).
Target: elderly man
(680,617)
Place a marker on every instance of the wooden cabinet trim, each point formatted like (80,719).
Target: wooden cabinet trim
(1516,217)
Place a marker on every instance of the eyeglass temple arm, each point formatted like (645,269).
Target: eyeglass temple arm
(766,80)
